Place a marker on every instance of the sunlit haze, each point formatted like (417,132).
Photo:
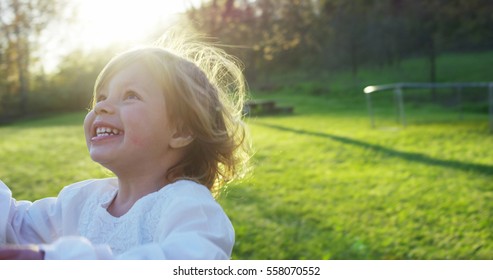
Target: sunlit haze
(100,23)
(107,21)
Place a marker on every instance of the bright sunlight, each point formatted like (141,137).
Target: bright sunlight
(100,23)
(103,22)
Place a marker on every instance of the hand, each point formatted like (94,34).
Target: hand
(20,252)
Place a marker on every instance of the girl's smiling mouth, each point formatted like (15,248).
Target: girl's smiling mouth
(105,131)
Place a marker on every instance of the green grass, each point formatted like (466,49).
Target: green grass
(324,185)
(39,157)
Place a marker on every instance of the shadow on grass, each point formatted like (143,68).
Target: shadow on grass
(417,157)
(280,230)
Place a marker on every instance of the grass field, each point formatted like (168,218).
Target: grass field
(325,185)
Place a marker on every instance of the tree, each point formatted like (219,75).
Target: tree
(439,25)
(21,23)
(264,33)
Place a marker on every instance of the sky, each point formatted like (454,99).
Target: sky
(100,23)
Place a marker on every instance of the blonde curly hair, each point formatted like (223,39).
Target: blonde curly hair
(205,91)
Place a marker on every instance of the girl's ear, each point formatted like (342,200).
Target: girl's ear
(181,138)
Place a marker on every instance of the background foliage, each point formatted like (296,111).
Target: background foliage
(313,36)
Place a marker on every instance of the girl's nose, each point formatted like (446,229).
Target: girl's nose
(104,107)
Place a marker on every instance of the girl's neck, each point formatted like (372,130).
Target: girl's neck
(131,189)
(138,180)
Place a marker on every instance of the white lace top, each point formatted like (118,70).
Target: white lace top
(180,221)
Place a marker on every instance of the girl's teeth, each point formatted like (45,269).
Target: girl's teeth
(106,131)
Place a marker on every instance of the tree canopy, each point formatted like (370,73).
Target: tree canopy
(267,35)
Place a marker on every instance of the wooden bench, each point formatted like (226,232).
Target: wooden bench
(265,107)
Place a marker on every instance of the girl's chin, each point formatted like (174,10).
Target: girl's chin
(102,159)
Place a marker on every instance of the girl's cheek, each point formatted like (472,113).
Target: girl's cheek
(136,135)
(88,123)
(137,141)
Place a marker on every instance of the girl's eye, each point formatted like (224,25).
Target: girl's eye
(131,95)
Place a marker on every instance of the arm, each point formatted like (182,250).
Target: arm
(24,222)
(17,226)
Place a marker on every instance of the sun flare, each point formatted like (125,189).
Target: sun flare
(103,22)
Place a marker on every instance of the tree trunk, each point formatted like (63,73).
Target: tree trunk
(23,80)
(22,61)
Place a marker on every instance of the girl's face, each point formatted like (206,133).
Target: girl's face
(128,129)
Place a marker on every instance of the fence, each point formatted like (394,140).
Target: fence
(398,93)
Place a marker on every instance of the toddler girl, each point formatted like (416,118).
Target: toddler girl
(168,125)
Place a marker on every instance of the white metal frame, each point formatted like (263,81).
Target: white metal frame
(398,92)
